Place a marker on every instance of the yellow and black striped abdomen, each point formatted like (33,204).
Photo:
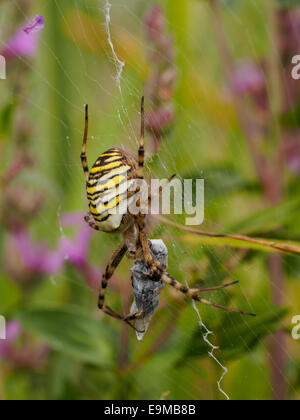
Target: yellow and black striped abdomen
(109,180)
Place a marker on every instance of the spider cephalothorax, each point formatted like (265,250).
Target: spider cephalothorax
(110,185)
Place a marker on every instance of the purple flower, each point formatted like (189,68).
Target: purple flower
(160,85)
(26,355)
(160,119)
(247,78)
(26,40)
(37,258)
(76,251)
(292,150)
(35,25)
(13,332)
(155,22)
(27,261)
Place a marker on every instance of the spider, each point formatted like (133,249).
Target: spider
(104,192)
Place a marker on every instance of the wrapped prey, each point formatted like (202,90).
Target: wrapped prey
(146,289)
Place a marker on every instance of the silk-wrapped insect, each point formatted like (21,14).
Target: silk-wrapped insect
(147,290)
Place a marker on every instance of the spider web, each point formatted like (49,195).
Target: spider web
(119,64)
(123,111)
(119,67)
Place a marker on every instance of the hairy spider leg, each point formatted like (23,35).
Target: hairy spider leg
(193,293)
(83,150)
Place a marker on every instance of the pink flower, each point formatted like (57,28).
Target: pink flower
(13,332)
(247,78)
(27,261)
(160,85)
(35,25)
(37,258)
(160,119)
(27,355)
(292,150)
(26,40)
(76,251)
(155,22)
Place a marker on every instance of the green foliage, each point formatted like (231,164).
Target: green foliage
(221,181)
(80,336)
(236,336)
(268,219)
(6,116)
(287,4)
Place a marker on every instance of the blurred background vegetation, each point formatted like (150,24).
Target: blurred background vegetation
(221,105)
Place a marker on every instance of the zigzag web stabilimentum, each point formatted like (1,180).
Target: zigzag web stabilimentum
(205,336)
(118,63)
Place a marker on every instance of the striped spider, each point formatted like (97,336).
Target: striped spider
(107,187)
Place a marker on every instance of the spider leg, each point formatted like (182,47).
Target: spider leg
(208,289)
(194,295)
(154,266)
(110,269)
(141,151)
(140,217)
(170,179)
(90,221)
(148,258)
(132,317)
(161,189)
(108,311)
(83,150)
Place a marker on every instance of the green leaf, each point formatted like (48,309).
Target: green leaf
(72,332)
(286,4)
(236,335)
(267,219)
(291,117)
(10,294)
(6,117)
(220,181)
(198,237)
